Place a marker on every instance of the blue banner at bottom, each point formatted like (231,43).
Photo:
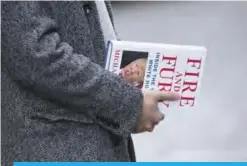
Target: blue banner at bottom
(130,163)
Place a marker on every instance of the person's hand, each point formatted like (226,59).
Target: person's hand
(150,116)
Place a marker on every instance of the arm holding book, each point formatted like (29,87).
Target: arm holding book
(39,60)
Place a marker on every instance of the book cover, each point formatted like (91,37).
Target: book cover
(162,67)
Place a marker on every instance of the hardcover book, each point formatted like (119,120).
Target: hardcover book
(162,67)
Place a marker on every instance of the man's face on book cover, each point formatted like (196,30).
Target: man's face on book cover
(135,71)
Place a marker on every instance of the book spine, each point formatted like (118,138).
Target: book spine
(108,54)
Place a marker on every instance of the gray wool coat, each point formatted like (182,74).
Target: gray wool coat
(58,102)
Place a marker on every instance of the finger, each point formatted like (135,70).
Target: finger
(140,130)
(152,129)
(157,117)
(166,96)
(149,127)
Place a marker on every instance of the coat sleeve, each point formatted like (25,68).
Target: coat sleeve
(38,59)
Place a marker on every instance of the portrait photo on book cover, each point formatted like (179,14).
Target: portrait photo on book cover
(133,67)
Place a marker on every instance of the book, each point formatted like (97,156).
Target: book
(162,67)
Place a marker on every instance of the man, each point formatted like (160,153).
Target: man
(58,102)
(134,72)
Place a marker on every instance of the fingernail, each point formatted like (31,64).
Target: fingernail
(178,95)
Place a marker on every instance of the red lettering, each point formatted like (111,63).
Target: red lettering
(191,86)
(170,61)
(115,60)
(163,86)
(177,88)
(177,83)
(191,74)
(194,62)
(187,101)
(164,70)
(167,73)
(117,52)
(166,104)
(174,59)
(178,75)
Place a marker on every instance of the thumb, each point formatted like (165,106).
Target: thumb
(158,116)
(166,96)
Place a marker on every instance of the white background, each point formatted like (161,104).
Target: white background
(217,129)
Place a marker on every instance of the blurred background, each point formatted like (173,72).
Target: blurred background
(217,129)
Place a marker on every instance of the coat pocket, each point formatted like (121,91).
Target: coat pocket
(54,115)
